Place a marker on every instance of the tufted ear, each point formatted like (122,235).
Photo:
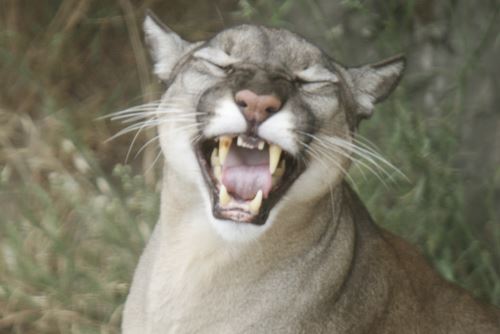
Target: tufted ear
(166,47)
(374,82)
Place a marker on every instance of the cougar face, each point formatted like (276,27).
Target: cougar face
(246,115)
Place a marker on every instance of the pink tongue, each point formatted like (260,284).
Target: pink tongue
(245,172)
(246,181)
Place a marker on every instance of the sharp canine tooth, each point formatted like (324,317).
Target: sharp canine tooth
(274,157)
(278,173)
(224,197)
(218,172)
(239,141)
(224,145)
(256,203)
(261,145)
(214,158)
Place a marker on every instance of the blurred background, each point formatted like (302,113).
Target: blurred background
(75,213)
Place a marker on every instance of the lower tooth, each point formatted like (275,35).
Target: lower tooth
(274,157)
(218,172)
(214,158)
(256,203)
(224,197)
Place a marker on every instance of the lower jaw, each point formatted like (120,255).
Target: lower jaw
(240,216)
(238,212)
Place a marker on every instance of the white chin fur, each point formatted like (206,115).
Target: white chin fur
(238,232)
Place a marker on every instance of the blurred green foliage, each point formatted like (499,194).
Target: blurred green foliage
(73,219)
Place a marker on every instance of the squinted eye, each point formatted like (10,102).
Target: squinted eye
(229,69)
(217,62)
(316,78)
(215,69)
(313,86)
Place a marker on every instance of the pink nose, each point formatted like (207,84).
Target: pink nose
(256,108)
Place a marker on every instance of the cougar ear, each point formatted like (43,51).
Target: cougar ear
(374,82)
(166,47)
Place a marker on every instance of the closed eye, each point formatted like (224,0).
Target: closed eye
(311,86)
(301,81)
(225,67)
(216,61)
(316,77)
(216,69)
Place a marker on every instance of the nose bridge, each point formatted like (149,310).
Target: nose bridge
(260,83)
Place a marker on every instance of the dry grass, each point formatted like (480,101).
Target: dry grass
(73,220)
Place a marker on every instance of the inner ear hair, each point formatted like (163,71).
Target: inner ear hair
(166,47)
(149,14)
(372,83)
(390,71)
(379,79)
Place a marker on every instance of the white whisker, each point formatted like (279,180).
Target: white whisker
(157,112)
(349,150)
(364,158)
(132,144)
(332,159)
(368,154)
(357,162)
(342,151)
(132,119)
(365,142)
(158,136)
(154,162)
(171,104)
(148,124)
(143,147)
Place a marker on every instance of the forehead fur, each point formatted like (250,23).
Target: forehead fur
(260,44)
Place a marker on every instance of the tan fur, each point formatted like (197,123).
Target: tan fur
(320,265)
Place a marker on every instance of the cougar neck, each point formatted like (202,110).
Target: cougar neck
(319,227)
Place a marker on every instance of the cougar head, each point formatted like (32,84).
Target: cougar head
(259,119)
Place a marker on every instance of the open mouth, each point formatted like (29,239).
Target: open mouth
(247,176)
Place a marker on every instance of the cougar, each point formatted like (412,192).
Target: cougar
(259,230)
